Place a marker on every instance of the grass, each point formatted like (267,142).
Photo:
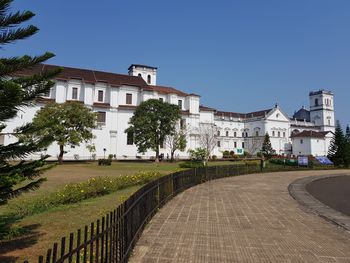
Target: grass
(32,235)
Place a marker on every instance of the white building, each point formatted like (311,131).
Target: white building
(115,96)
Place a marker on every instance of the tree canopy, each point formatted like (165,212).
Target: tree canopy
(339,149)
(69,123)
(266,150)
(17,93)
(152,121)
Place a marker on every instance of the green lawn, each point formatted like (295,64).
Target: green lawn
(37,232)
(41,230)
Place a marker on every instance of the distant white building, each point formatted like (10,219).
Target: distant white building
(115,96)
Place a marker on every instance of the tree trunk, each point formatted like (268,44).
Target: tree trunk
(157,155)
(172,156)
(60,156)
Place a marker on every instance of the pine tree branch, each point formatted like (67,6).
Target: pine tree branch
(15,19)
(17,64)
(12,35)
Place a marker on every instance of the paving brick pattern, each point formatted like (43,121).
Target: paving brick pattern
(250,218)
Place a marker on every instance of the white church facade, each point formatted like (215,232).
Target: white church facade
(115,96)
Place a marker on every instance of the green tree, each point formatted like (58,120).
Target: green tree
(15,94)
(152,121)
(339,149)
(176,141)
(69,123)
(266,150)
(347,133)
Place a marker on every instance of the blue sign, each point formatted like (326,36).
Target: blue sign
(324,160)
(303,161)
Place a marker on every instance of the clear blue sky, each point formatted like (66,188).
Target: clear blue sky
(239,55)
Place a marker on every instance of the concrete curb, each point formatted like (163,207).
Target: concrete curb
(297,190)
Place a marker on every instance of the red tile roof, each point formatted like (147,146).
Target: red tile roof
(87,75)
(248,115)
(165,90)
(94,76)
(310,134)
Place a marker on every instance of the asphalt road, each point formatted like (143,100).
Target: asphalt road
(333,191)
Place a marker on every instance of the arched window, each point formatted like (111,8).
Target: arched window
(139,75)
(316,102)
(149,79)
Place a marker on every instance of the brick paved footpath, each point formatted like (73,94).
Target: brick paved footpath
(249,218)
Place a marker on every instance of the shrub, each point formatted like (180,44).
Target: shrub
(77,192)
(199,154)
(232,153)
(213,157)
(192,164)
(226,154)
(105,161)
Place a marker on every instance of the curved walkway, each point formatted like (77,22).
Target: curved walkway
(249,218)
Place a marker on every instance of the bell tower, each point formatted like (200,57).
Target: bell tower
(322,109)
(148,73)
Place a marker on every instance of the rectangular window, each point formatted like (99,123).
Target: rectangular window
(279,134)
(301,141)
(246,134)
(100,96)
(130,138)
(179,102)
(101,117)
(182,124)
(235,134)
(242,134)
(242,145)
(235,144)
(128,98)
(219,144)
(226,133)
(284,134)
(257,133)
(74,93)
(273,133)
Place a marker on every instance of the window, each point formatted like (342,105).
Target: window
(74,93)
(284,134)
(139,75)
(149,79)
(235,134)
(329,122)
(218,133)
(130,138)
(100,96)
(219,144)
(301,141)
(101,117)
(279,134)
(235,144)
(273,133)
(242,134)
(161,99)
(257,133)
(182,123)
(226,133)
(128,98)
(246,134)
(242,145)
(179,102)
(316,102)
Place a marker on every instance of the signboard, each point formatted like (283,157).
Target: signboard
(303,160)
(239,151)
(324,160)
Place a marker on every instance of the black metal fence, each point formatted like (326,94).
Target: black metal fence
(112,238)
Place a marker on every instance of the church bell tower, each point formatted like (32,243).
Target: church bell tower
(322,109)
